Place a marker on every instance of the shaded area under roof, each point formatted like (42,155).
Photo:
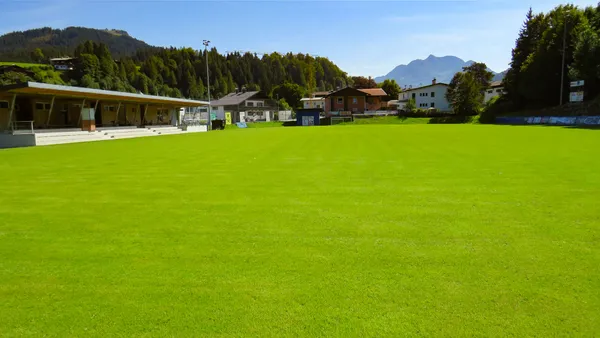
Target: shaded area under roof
(36,88)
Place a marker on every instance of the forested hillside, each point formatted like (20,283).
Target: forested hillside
(182,72)
(19,46)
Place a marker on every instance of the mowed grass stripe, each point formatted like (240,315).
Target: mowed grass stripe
(383,230)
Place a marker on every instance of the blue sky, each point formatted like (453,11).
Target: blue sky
(365,38)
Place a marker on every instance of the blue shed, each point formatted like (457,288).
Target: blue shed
(308,117)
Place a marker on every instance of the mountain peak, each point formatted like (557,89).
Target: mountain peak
(422,71)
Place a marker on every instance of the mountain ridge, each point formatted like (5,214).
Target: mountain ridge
(17,46)
(422,71)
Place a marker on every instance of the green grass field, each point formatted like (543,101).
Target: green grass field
(380,230)
(21,64)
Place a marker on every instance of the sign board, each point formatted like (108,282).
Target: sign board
(213,116)
(576,97)
(308,120)
(88,114)
(577,83)
(242,125)
(227,118)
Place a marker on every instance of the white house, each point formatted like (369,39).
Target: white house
(495,89)
(313,102)
(426,97)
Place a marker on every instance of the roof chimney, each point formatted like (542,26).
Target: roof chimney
(243,89)
(434,81)
(237,90)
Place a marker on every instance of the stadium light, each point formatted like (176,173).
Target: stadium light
(205,43)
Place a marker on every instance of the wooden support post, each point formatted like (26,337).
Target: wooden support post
(145,113)
(50,112)
(117,114)
(12,109)
(81,113)
(161,111)
(96,107)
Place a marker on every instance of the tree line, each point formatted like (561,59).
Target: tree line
(534,77)
(552,50)
(181,72)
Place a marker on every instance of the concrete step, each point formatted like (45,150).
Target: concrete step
(131,132)
(170,132)
(124,136)
(122,131)
(65,134)
(64,140)
(160,127)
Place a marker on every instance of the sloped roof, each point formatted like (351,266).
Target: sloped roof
(312,99)
(321,94)
(374,91)
(233,99)
(36,88)
(431,85)
(495,84)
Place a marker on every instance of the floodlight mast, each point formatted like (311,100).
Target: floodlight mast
(206,43)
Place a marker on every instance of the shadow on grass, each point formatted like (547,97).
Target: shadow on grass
(589,127)
(450,120)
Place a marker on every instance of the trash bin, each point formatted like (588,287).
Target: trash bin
(218,124)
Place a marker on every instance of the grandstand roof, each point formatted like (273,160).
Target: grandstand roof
(36,88)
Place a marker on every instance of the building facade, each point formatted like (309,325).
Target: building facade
(46,106)
(246,106)
(432,96)
(355,101)
(495,89)
(313,102)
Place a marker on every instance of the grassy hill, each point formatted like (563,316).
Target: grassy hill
(423,230)
(17,46)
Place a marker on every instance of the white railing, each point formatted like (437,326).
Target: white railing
(22,127)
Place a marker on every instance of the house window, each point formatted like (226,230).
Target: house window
(354,100)
(110,108)
(259,104)
(432,94)
(340,100)
(133,110)
(42,106)
(318,106)
(490,91)
(432,104)
(249,104)
(498,90)
(414,95)
(3,104)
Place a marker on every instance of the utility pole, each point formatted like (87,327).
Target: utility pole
(205,43)
(562,70)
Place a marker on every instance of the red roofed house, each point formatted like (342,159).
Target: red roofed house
(355,101)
